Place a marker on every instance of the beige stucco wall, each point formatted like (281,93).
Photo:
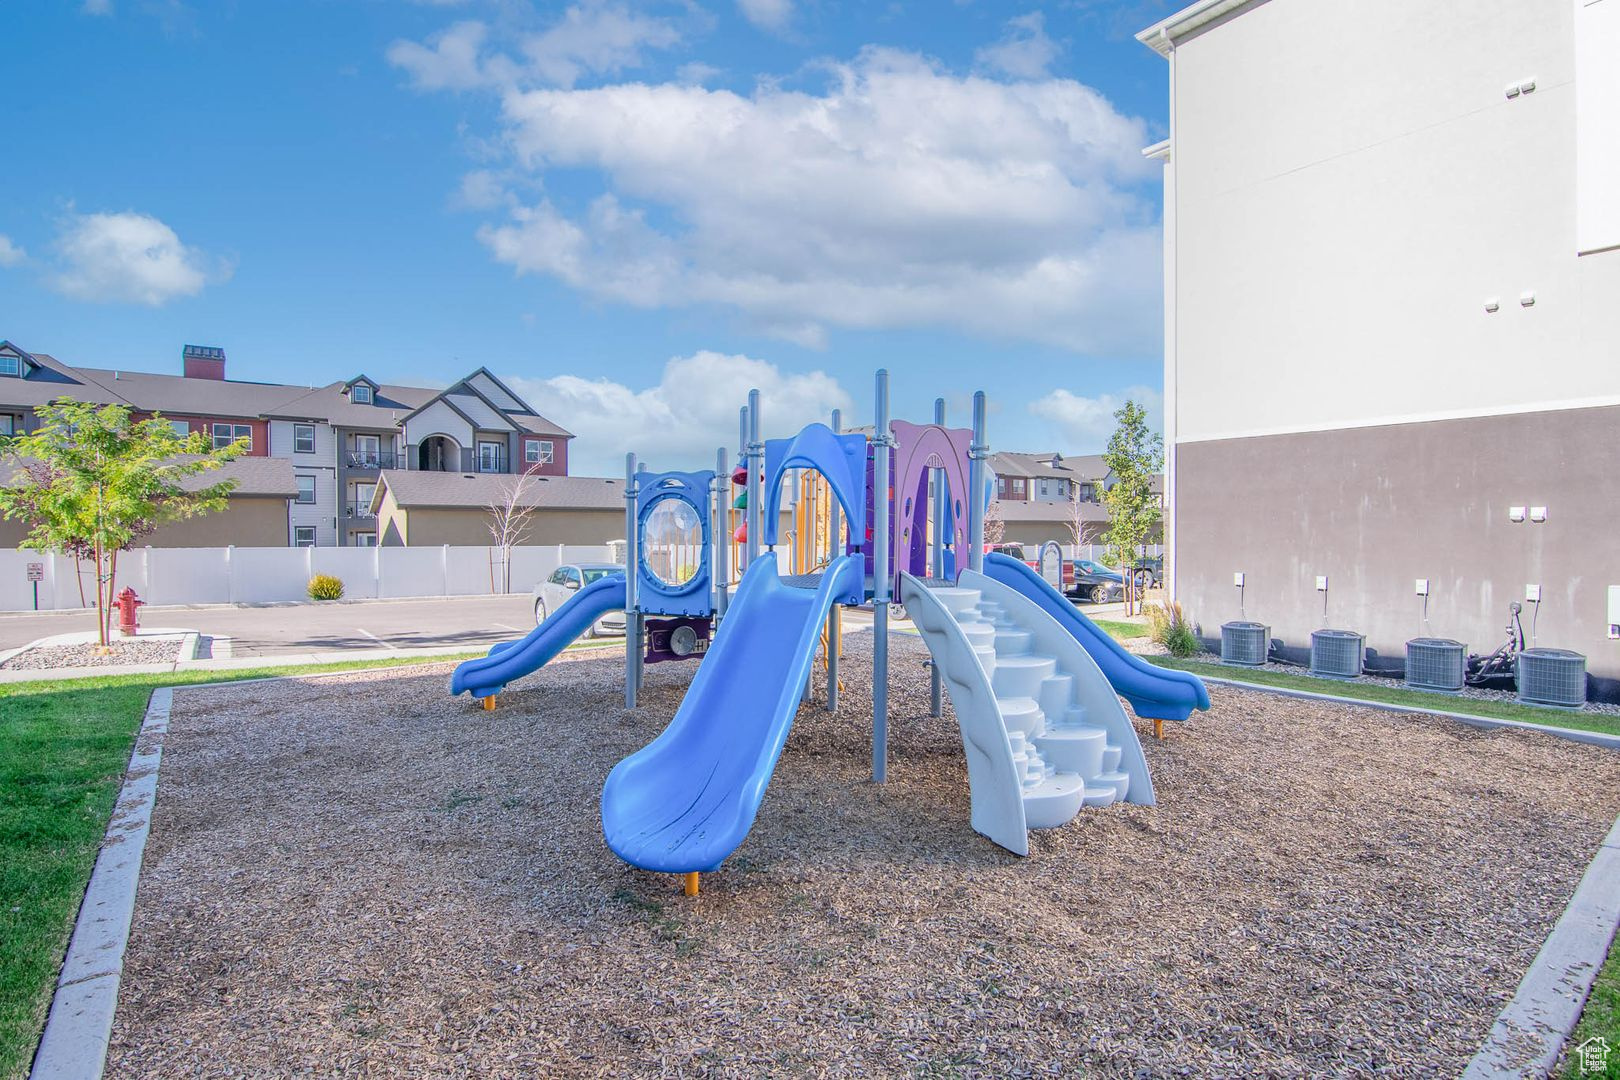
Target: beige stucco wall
(423,526)
(247,521)
(1374,509)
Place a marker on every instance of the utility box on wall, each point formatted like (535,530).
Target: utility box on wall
(1614,612)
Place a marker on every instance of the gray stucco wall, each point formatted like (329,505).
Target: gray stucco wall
(1376,508)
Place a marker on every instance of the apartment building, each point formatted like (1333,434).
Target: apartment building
(1049,477)
(338,439)
(1392,267)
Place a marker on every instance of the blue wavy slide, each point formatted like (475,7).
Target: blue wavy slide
(686,800)
(512,660)
(1155,693)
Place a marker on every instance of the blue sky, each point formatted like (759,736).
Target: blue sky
(635,211)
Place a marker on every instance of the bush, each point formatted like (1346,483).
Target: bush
(1170,628)
(325,587)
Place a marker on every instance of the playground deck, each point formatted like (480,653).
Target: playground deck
(357,873)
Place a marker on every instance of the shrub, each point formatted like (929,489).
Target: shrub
(325,587)
(1170,628)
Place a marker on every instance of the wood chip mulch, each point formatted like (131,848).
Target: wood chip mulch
(357,876)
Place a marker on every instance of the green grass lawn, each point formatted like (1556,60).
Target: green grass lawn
(1602,1019)
(64,745)
(1420,699)
(1122,630)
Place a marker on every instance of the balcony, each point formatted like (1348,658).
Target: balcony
(372,459)
(362,513)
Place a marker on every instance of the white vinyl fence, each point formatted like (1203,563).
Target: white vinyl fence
(1097,553)
(241,575)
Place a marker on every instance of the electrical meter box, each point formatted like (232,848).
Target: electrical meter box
(1614,612)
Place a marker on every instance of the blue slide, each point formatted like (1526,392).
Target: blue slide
(514,659)
(683,802)
(1155,693)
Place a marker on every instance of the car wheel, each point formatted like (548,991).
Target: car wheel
(539,612)
(1099,594)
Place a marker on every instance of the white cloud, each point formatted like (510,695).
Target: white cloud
(10,253)
(678,423)
(481,189)
(770,15)
(130,258)
(900,196)
(596,37)
(97,7)
(1085,423)
(696,72)
(1024,51)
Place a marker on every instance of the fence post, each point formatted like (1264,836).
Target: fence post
(444,569)
(376,571)
(230,574)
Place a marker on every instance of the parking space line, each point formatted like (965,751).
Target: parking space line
(503,626)
(374,637)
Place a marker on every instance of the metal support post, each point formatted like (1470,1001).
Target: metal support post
(881,538)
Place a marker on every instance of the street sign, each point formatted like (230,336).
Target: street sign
(36,571)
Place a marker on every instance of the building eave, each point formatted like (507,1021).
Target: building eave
(1159,151)
(1161,37)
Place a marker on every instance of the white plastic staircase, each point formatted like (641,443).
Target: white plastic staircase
(1044,732)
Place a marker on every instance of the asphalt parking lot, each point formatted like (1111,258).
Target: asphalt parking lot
(268,630)
(470,622)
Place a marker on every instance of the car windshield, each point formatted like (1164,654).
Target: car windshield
(597,573)
(1091,568)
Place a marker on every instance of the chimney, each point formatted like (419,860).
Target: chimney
(204,362)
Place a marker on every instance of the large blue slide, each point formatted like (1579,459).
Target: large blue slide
(508,661)
(684,802)
(1155,693)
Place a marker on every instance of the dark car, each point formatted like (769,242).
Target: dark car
(1150,569)
(1096,582)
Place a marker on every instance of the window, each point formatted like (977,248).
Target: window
(531,451)
(303,438)
(306,490)
(225,434)
(8,425)
(558,576)
(362,499)
(367,451)
(365,539)
(303,536)
(1018,488)
(545,452)
(182,428)
(1043,488)
(10,365)
(489,457)
(360,394)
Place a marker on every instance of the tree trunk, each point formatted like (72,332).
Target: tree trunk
(101,605)
(112,587)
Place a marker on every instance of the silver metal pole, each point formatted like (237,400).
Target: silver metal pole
(756,457)
(632,558)
(742,459)
(834,617)
(722,541)
(978,451)
(881,539)
(936,702)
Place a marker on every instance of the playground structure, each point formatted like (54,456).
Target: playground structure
(897,515)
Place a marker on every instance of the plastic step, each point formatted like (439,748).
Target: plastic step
(1121,783)
(957,600)
(1056,694)
(1110,758)
(1054,801)
(1076,750)
(1100,795)
(1021,676)
(1013,642)
(1021,714)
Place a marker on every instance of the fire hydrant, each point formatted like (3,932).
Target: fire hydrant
(127,602)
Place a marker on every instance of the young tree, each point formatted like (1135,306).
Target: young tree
(509,515)
(1134,456)
(1081,532)
(995,526)
(91,480)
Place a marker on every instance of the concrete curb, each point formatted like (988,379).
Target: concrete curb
(79,1027)
(1594,738)
(1530,1033)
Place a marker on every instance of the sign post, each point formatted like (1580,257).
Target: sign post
(36,574)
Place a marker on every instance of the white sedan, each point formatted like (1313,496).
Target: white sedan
(567,580)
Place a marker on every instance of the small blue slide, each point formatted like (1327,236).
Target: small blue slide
(514,659)
(1155,693)
(682,803)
